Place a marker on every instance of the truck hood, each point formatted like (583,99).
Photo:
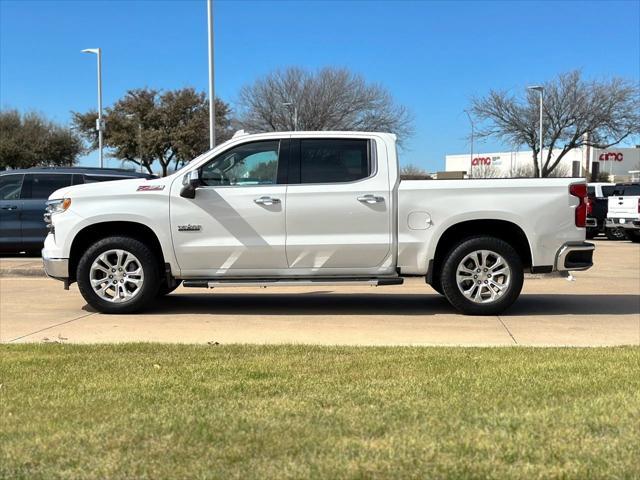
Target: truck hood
(114,187)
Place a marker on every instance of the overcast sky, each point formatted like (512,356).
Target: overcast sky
(432,56)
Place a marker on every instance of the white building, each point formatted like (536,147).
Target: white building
(618,162)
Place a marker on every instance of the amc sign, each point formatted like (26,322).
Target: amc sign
(485,161)
(611,156)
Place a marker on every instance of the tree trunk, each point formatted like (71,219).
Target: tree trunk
(536,167)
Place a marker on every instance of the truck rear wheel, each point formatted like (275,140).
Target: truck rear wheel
(118,275)
(633,235)
(615,234)
(482,276)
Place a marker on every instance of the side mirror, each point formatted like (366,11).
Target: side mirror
(190,182)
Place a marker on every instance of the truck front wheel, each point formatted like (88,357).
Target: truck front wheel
(482,276)
(118,275)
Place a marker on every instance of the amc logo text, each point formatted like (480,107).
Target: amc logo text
(481,161)
(606,156)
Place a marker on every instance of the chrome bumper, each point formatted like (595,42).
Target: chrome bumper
(575,256)
(591,222)
(632,223)
(57,268)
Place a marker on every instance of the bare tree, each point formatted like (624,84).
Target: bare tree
(577,113)
(329,99)
(522,171)
(413,172)
(485,171)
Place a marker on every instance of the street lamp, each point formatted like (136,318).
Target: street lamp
(472,132)
(99,126)
(212,106)
(539,89)
(295,114)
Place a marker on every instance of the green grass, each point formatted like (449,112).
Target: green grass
(170,411)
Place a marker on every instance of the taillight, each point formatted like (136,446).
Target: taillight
(580,190)
(589,205)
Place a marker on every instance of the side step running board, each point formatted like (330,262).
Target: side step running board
(291,282)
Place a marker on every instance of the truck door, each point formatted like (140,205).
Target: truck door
(10,210)
(338,206)
(36,191)
(236,223)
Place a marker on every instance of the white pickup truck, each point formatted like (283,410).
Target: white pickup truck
(623,212)
(310,208)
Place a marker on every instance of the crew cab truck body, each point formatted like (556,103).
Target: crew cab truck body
(312,208)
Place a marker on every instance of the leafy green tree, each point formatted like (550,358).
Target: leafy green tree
(30,140)
(148,126)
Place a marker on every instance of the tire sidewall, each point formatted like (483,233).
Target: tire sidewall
(149,264)
(449,271)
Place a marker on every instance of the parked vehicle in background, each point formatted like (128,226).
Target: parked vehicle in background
(624,210)
(597,205)
(313,208)
(23,197)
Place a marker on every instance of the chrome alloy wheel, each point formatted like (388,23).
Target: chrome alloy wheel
(483,276)
(116,276)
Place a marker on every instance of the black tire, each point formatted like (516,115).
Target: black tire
(150,267)
(458,253)
(164,290)
(633,235)
(614,234)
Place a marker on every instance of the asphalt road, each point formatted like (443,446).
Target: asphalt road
(602,307)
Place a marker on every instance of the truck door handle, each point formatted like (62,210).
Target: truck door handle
(370,198)
(267,200)
(10,207)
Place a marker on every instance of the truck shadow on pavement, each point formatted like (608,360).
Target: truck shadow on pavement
(326,303)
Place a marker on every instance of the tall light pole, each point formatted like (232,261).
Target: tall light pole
(472,133)
(295,114)
(212,101)
(99,125)
(539,89)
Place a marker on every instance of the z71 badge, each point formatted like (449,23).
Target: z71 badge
(189,228)
(150,188)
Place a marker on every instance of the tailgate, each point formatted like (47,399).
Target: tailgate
(623,207)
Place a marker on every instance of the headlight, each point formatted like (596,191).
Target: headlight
(55,206)
(58,205)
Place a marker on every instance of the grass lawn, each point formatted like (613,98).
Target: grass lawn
(171,411)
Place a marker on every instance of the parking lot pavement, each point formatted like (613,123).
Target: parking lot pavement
(602,307)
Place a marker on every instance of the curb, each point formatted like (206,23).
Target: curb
(22,272)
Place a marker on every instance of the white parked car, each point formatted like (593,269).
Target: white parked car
(624,210)
(312,208)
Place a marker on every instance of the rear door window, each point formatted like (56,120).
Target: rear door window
(10,186)
(334,160)
(44,184)
(627,191)
(607,191)
(103,178)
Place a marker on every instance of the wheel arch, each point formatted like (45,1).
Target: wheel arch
(505,230)
(96,231)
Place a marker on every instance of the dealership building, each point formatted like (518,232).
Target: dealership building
(622,164)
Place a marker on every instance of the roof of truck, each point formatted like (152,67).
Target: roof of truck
(82,170)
